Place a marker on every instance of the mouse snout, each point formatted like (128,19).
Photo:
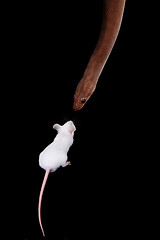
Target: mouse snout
(72,126)
(68,126)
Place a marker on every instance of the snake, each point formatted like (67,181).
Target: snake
(111,21)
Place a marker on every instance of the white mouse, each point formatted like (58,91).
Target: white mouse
(55,156)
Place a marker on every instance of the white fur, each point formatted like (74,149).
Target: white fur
(55,154)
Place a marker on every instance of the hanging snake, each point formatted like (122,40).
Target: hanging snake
(111,21)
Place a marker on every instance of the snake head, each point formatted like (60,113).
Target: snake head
(78,103)
(83,92)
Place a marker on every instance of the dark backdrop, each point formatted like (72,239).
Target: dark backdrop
(47,47)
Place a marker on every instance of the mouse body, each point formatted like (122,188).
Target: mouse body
(55,156)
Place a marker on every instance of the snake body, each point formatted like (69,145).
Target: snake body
(111,21)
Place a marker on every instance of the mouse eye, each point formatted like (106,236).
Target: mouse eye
(83,100)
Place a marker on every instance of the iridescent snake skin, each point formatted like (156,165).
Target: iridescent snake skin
(111,21)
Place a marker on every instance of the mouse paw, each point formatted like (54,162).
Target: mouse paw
(66,164)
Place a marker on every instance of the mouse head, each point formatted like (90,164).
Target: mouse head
(67,128)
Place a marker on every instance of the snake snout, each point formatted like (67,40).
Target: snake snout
(76,107)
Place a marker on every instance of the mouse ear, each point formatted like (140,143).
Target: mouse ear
(56,126)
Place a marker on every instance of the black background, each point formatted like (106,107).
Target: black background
(47,47)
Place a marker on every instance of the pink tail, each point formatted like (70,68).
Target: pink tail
(40,198)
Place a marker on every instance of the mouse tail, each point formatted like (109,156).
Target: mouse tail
(40,199)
